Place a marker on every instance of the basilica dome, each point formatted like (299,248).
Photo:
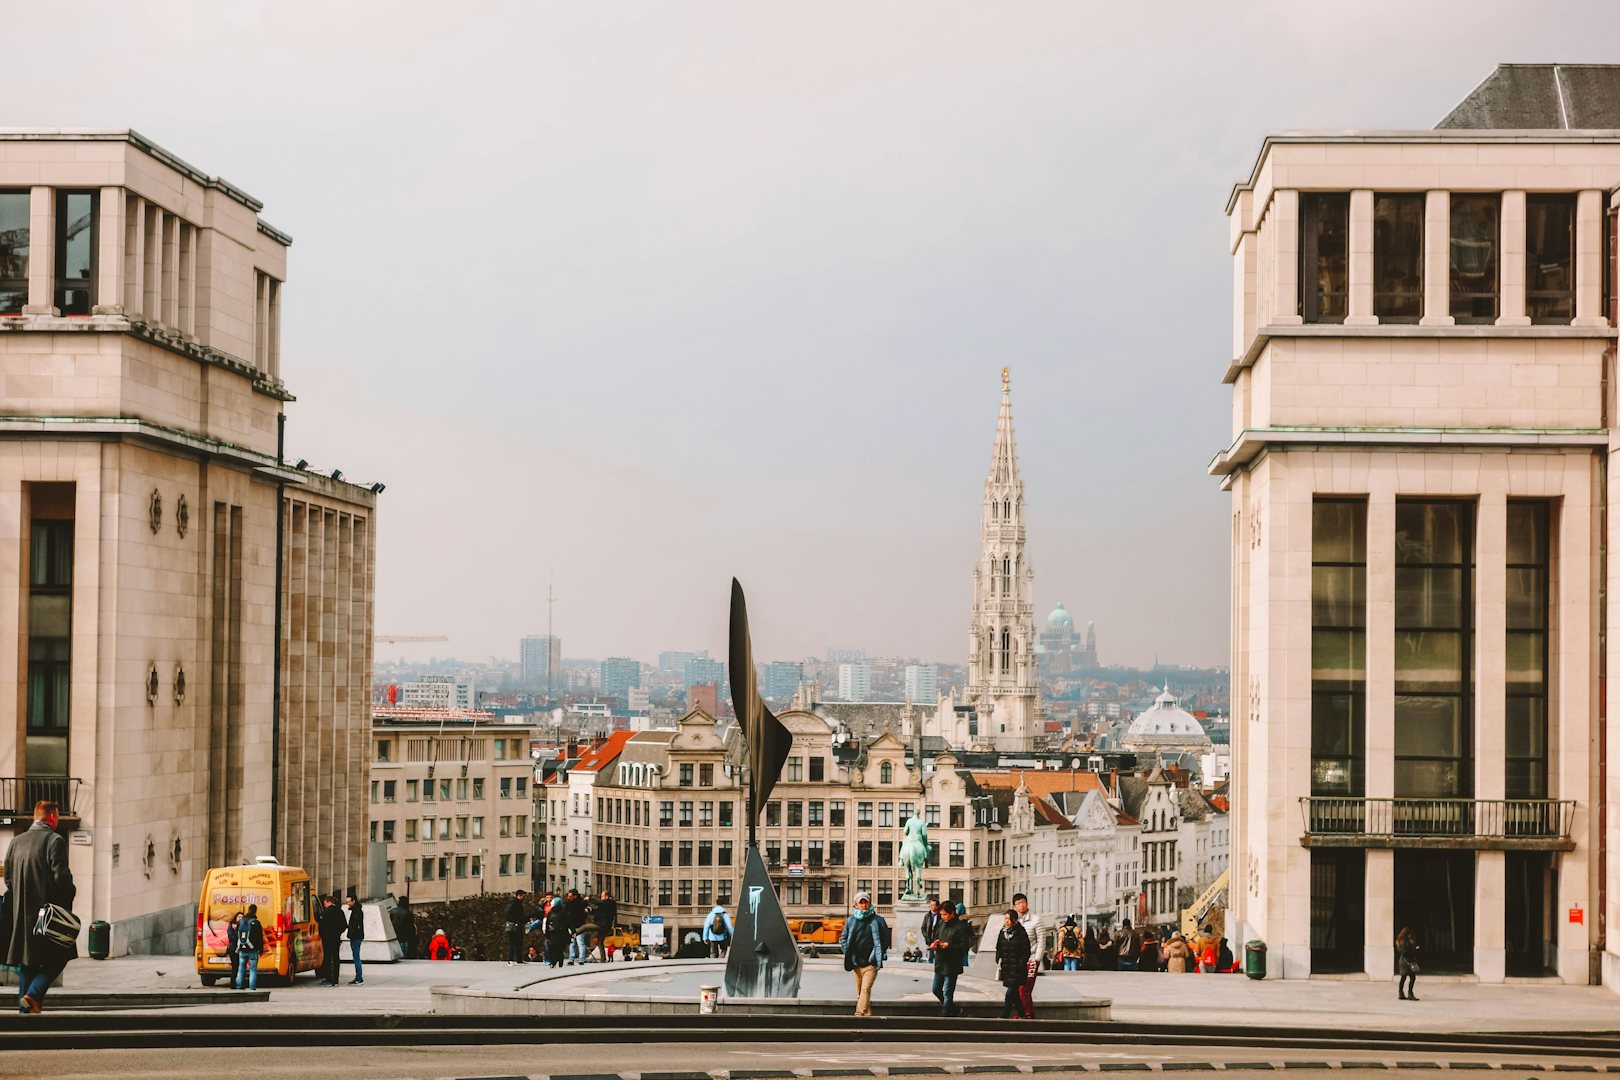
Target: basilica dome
(1060,618)
(1166,726)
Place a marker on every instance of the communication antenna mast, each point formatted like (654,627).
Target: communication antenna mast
(551,638)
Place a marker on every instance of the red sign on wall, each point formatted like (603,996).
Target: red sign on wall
(1576,915)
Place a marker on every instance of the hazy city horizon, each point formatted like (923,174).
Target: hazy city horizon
(667,299)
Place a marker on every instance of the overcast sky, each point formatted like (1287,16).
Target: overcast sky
(636,297)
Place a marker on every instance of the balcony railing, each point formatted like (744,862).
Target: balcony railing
(18,794)
(1334,821)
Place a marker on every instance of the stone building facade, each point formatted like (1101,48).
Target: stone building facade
(140,489)
(1422,384)
(668,824)
(450,801)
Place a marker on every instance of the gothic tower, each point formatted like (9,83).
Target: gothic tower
(1001,647)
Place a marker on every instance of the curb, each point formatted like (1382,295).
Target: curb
(1011,1068)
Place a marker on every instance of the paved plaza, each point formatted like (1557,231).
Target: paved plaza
(404,988)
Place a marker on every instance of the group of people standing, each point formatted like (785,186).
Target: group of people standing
(573,927)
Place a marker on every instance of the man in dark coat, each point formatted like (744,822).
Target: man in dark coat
(332,926)
(605,915)
(930,927)
(36,874)
(949,946)
(573,917)
(515,918)
(357,937)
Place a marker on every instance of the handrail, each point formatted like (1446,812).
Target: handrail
(18,794)
(1486,818)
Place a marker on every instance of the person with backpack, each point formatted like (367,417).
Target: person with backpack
(439,946)
(717,931)
(1129,947)
(864,943)
(249,944)
(1071,948)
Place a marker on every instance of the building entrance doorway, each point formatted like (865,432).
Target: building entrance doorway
(1338,901)
(1531,909)
(1434,895)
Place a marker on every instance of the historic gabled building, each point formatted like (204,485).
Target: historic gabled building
(1423,419)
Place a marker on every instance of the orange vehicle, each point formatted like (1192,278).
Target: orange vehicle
(286,910)
(816,931)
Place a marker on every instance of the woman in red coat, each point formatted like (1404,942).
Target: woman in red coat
(439,947)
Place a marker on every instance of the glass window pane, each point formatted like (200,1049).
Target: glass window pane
(1475,227)
(1338,531)
(1526,660)
(1526,532)
(1549,258)
(1398,257)
(1428,661)
(1324,278)
(1338,596)
(13,251)
(1430,532)
(1427,727)
(1338,655)
(1428,598)
(1527,599)
(1526,727)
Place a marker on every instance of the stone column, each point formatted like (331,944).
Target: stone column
(1490,916)
(1380,753)
(41,252)
(1437,260)
(1378,930)
(188,281)
(135,257)
(110,254)
(169,310)
(152,296)
(1490,629)
(1361,260)
(1589,257)
(1510,263)
(1283,222)
(1571,733)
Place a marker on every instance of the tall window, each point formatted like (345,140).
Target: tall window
(1398,257)
(1324,263)
(1006,575)
(75,252)
(1528,621)
(50,624)
(1338,647)
(1549,258)
(13,251)
(1475,232)
(1434,615)
(1006,651)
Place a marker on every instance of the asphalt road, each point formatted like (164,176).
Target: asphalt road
(597,1059)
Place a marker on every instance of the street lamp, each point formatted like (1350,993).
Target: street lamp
(481,852)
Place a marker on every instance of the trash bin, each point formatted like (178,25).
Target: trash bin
(1254,959)
(100,936)
(708,998)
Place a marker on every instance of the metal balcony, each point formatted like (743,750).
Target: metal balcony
(1481,824)
(18,794)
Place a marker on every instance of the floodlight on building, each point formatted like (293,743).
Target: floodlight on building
(337,474)
(377,489)
(302,463)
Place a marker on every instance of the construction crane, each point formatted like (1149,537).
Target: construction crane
(407,639)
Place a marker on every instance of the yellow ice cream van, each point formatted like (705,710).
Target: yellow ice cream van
(287,911)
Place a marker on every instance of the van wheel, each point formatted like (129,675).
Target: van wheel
(209,980)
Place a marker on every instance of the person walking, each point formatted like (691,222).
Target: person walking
(1012,965)
(1406,963)
(717,932)
(862,944)
(606,917)
(515,916)
(1071,949)
(573,918)
(37,874)
(949,948)
(930,927)
(357,937)
(1031,922)
(249,947)
(332,926)
(1176,954)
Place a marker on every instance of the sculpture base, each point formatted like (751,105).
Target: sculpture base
(907,927)
(763,961)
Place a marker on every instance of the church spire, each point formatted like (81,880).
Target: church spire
(1001,652)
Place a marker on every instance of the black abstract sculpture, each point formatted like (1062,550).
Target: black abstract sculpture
(764,958)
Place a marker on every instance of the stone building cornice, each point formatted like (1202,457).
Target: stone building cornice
(1252,443)
(1469,331)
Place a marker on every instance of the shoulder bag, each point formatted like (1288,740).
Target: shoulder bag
(57,925)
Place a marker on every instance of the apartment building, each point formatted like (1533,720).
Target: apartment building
(668,823)
(450,800)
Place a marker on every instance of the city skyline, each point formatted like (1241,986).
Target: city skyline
(686,298)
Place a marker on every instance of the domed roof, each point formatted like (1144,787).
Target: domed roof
(1166,726)
(1060,617)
